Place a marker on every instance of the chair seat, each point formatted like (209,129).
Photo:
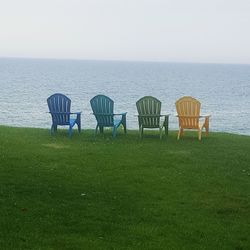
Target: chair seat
(160,124)
(117,121)
(72,122)
(202,124)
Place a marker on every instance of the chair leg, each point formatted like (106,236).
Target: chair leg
(166,130)
(79,127)
(124,123)
(179,134)
(70,131)
(207,130)
(52,129)
(206,125)
(125,129)
(161,130)
(199,134)
(78,122)
(101,130)
(114,132)
(182,132)
(96,130)
(140,131)
(166,126)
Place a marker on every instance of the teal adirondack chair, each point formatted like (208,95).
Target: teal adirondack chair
(103,110)
(149,115)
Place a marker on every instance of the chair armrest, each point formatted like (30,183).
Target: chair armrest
(109,114)
(65,113)
(153,115)
(121,113)
(60,113)
(149,115)
(205,116)
(188,116)
(75,113)
(103,114)
(193,116)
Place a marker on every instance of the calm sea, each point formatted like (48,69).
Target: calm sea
(223,90)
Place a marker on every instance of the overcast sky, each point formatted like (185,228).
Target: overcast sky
(144,30)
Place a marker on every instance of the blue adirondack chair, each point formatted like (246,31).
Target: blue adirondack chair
(103,110)
(59,108)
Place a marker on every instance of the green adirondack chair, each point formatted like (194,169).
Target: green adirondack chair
(149,115)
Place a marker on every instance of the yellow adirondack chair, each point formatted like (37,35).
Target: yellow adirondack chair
(188,110)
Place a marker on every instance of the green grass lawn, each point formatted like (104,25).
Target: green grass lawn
(123,193)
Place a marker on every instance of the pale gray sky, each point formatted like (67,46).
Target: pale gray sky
(154,30)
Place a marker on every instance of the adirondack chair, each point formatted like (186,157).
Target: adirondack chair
(103,110)
(59,108)
(149,115)
(188,110)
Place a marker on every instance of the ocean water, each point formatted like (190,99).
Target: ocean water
(223,90)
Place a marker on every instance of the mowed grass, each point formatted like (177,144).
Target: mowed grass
(123,193)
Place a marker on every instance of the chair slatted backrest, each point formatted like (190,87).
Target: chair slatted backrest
(59,107)
(103,109)
(188,110)
(149,110)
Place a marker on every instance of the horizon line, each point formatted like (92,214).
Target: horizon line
(120,60)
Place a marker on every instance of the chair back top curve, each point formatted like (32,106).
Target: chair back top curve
(59,107)
(149,110)
(103,109)
(188,110)
(148,105)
